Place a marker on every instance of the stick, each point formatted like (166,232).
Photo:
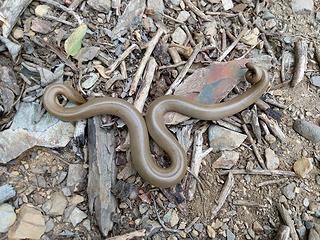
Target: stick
(131,235)
(260,172)
(224,194)
(274,127)
(271,182)
(185,69)
(248,204)
(301,59)
(283,233)
(197,11)
(232,46)
(122,57)
(151,45)
(288,221)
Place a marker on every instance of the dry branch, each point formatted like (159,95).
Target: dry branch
(288,220)
(260,172)
(127,236)
(301,59)
(197,11)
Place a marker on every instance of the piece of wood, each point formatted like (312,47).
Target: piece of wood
(6,192)
(226,190)
(288,221)
(260,172)
(102,174)
(131,235)
(301,59)
(274,127)
(197,11)
(283,233)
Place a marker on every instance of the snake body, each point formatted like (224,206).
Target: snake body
(142,159)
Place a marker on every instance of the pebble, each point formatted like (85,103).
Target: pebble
(41,26)
(303,167)
(86,224)
(257,227)
(305,6)
(18,33)
(251,37)
(314,206)
(272,160)
(175,2)
(318,179)
(210,28)
(271,24)
(194,233)
(315,80)
(171,217)
(226,160)
(92,78)
(289,191)
(41,10)
(76,177)
(313,235)
(211,232)
(267,15)
(56,205)
(7,217)
(143,208)
(179,36)
(77,216)
(100,5)
(306,202)
(76,199)
(49,225)
(183,16)
(24,228)
(199,227)
(230,235)
(224,139)
(156,5)
(149,25)
(308,130)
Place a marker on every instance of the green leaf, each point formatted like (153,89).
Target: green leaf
(72,45)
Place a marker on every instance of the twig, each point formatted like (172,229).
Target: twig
(197,156)
(63,8)
(275,103)
(131,235)
(197,11)
(274,127)
(271,182)
(232,46)
(248,204)
(191,40)
(254,146)
(223,195)
(283,233)
(122,57)
(172,66)
(75,3)
(53,18)
(301,58)
(171,18)
(185,69)
(151,45)
(267,45)
(225,14)
(255,123)
(288,221)
(260,172)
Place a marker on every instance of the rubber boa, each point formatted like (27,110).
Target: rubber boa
(142,159)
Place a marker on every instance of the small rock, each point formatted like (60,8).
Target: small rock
(211,232)
(199,227)
(7,217)
(226,160)
(303,167)
(301,230)
(306,202)
(156,5)
(18,33)
(86,224)
(308,130)
(76,177)
(257,227)
(175,2)
(171,217)
(230,235)
(76,216)
(143,208)
(271,23)
(272,160)
(318,16)
(179,36)
(227,4)
(210,28)
(100,5)
(149,25)
(251,37)
(224,139)
(49,225)
(315,80)
(270,138)
(183,16)
(305,6)
(30,224)
(313,235)
(289,191)
(6,192)
(92,78)
(42,10)
(314,206)
(41,26)
(267,15)
(76,199)
(87,54)
(56,205)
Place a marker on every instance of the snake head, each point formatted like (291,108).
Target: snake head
(254,73)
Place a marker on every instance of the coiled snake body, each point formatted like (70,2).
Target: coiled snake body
(143,162)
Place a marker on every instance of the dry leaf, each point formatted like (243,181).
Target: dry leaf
(72,45)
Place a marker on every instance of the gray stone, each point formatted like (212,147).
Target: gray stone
(76,177)
(76,216)
(308,130)
(41,26)
(199,227)
(267,15)
(301,230)
(179,36)
(6,192)
(230,235)
(210,28)
(288,191)
(226,160)
(224,139)
(27,131)
(143,208)
(156,5)
(183,16)
(149,25)
(171,217)
(315,80)
(304,6)
(313,235)
(7,217)
(272,160)
(56,205)
(49,225)
(100,5)
(175,2)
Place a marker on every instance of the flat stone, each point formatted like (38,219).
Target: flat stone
(226,160)
(313,234)
(224,139)
(179,36)
(175,2)
(76,177)
(230,235)
(56,205)
(17,33)
(303,166)
(289,191)
(308,130)
(7,217)
(171,217)
(156,5)
(211,232)
(305,6)
(183,16)
(41,26)
(272,160)
(315,80)
(149,25)
(28,131)
(77,216)
(251,37)
(41,10)
(49,225)
(227,4)
(6,192)
(30,224)
(210,28)
(100,5)
(257,227)
(199,227)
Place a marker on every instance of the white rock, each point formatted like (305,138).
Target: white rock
(224,139)
(210,28)
(156,5)
(175,2)
(227,4)
(17,33)
(226,160)
(302,6)
(100,5)
(179,36)
(90,81)
(27,131)
(77,216)
(251,37)
(272,160)
(57,204)
(7,217)
(42,10)
(303,166)
(183,16)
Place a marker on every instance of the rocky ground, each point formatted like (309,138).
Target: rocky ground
(254,175)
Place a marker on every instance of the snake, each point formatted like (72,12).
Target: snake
(153,124)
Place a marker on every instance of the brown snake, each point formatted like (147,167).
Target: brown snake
(143,162)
